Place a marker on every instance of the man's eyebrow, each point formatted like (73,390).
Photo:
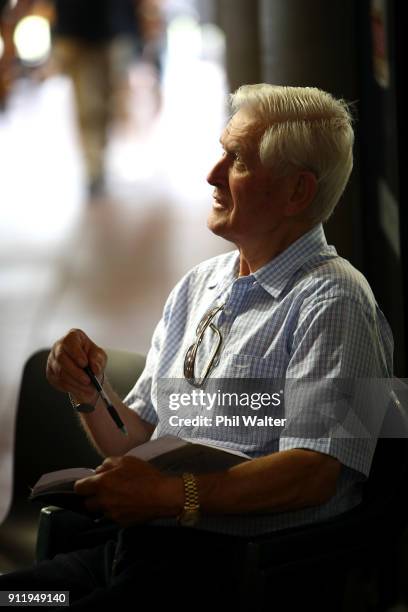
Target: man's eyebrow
(234,145)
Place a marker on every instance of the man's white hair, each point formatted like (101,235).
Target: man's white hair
(306,127)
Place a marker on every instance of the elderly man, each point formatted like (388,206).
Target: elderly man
(283,306)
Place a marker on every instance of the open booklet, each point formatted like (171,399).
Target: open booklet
(168,453)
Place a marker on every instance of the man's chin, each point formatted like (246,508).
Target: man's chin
(218,225)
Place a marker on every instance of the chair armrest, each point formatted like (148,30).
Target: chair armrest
(61,530)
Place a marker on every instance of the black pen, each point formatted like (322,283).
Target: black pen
(109,405)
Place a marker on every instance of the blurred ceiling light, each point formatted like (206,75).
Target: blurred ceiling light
(32,38)
(12,4)
(1,47)
(184,38)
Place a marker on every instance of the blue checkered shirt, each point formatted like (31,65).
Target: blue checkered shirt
(307,314)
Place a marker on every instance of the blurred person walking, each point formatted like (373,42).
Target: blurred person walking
(94,43)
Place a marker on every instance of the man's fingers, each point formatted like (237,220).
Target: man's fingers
(63,360)
(83,351)
(108,464)
(66,361)
(97,359)
(89,489)
(64,367)
(87,486)
(77,345)
(66,377)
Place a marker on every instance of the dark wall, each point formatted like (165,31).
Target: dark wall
(239,20)
(313,43)
(383,131)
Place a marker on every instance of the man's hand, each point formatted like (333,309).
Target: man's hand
(66,361)
(128,490)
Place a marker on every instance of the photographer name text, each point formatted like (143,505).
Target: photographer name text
(226,421)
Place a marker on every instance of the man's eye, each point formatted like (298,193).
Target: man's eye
(238,159)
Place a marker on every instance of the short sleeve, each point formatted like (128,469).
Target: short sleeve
(337,386)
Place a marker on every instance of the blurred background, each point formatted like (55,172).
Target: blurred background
(110,114)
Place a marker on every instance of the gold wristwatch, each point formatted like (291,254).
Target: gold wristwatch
(191,511)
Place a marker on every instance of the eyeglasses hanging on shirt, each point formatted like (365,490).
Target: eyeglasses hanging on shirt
(191,354)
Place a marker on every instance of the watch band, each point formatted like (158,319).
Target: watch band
(80,407)
(191,510)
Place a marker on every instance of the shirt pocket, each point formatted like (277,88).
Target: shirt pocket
(241,365)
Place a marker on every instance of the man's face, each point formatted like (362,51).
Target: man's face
(248,200)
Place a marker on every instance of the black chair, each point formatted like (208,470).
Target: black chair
(48,437)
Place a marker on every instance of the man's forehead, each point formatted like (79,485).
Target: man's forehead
(242,131)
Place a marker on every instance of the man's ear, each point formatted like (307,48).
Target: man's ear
(304,187)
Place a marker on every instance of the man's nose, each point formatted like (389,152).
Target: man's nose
(219,173)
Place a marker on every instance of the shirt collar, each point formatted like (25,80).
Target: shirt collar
(229,273)
(275,275)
